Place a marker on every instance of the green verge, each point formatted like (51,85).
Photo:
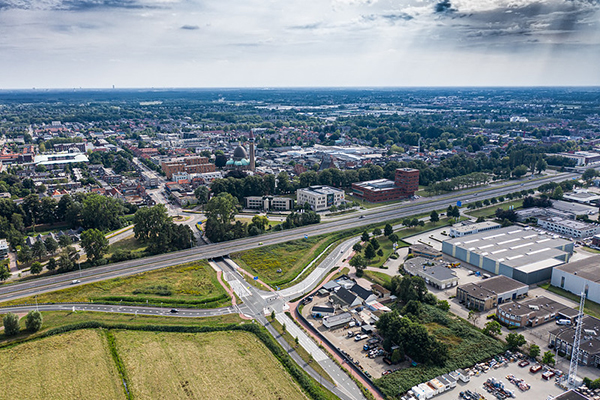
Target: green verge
(192,285)
(112,345)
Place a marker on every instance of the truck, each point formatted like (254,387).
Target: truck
(360,337)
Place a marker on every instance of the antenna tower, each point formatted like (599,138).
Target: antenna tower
(575,353)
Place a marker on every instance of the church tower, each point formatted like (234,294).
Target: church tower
(252,151)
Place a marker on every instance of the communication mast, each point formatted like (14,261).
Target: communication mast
(572,379)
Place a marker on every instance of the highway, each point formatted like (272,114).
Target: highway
(14,291)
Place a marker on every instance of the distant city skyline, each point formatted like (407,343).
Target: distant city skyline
(298,43)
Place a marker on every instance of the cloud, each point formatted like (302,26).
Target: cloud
(76,5)
(443,6)
(190,27)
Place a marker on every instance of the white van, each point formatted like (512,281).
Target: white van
(563,322)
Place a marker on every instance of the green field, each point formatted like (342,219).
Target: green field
(215,365)
(291,257)
(74,365)
(367,204)
(378,277)
(489,211)
(128,244)
(188,285)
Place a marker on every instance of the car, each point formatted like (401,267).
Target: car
(259,243)
(76,281)
(523,363)
(361,217)
(548,375)
(174,311)
(535,368)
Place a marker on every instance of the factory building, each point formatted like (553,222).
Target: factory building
(577,276)
(519,253)
(488,293)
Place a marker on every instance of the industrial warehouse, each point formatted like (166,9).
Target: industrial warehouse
(519,253)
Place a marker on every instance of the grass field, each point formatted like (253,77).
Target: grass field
(378,277)
(291,257)
(55,319)
(367,204)
(74,365)
(188,285)
(406,232)
(216,365)
(128,244)
(489,211)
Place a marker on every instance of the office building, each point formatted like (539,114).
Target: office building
(534,312)
(569,227)
(578,276)
(435,273)
(191,165)
(320,198)
(488,293)
(561,339)
(269,203)
(469,228)
(3,248)
(405,185)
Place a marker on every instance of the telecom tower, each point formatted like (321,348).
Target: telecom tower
(572,379)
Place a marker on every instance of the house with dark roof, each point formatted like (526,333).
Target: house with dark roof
(322,311)
(364,294)
(344,298)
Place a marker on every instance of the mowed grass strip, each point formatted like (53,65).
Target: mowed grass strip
(216,365)
(291,257)
(192,285)
(74,365)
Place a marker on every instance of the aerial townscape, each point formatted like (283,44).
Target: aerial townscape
(300,200)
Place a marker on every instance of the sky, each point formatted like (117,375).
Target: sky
(298,43)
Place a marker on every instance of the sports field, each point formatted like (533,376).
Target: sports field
(216,365)
(74,365)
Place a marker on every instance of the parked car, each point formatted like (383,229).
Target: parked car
(174,311)
(548,375)
(523,363)
(535,368)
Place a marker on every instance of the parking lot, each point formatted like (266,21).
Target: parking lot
(540,388)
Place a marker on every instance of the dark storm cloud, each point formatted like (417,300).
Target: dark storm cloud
(443,6)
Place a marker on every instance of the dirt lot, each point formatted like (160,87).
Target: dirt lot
(540,389)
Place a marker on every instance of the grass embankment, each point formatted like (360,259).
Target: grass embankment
(175,365)
(128,244)
(590,307)
(300,350)
(380,278)
(56,319)
(290,257)
(491,210)
(248,220)
(188,285)
(466,346)
(74,365)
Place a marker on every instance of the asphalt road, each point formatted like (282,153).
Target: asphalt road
(404,209)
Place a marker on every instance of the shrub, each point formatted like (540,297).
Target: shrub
(33,321)
(11,324)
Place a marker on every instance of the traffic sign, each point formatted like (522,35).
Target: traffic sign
(256,278)
(459,203)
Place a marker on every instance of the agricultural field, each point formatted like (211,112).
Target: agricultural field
(291,257)
(74,365)
(176,365)
(188,285)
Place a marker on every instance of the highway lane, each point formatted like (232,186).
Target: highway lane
(404,209)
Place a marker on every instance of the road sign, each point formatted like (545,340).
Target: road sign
(459,203)
(256,278)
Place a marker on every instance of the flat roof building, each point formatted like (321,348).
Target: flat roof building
(488,293)
(335,321)
(534,312)
(435,273)
(60,160)
(519,253)
(578,276)
(423,250)
(320,198)
(589,348)
(569,227)
(3,248)
(464,229)
(269,203)
(582,196)
(405,184)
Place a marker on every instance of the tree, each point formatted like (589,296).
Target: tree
(11,324)
(370,251)
(357,247)
(35,268)
(38,250)
(393,238)
(397,355)
(94,243)
(557,194)
(51,245)
(541,165)
(515,340)
(548,358)
(365,236)
(519,171)
(101,212)
(272,315)
(202,193)
(220,211)
(534,351)
(434,217)
(24,255)
(67,258)
(65,241)
(388,230)
(149,221)
(480,219)
(380,253)
(359,263)
(376,232)
(33,321)
(51,265)
(375,243)
(492,328)
(4,273)
(443,305)
(473,317)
